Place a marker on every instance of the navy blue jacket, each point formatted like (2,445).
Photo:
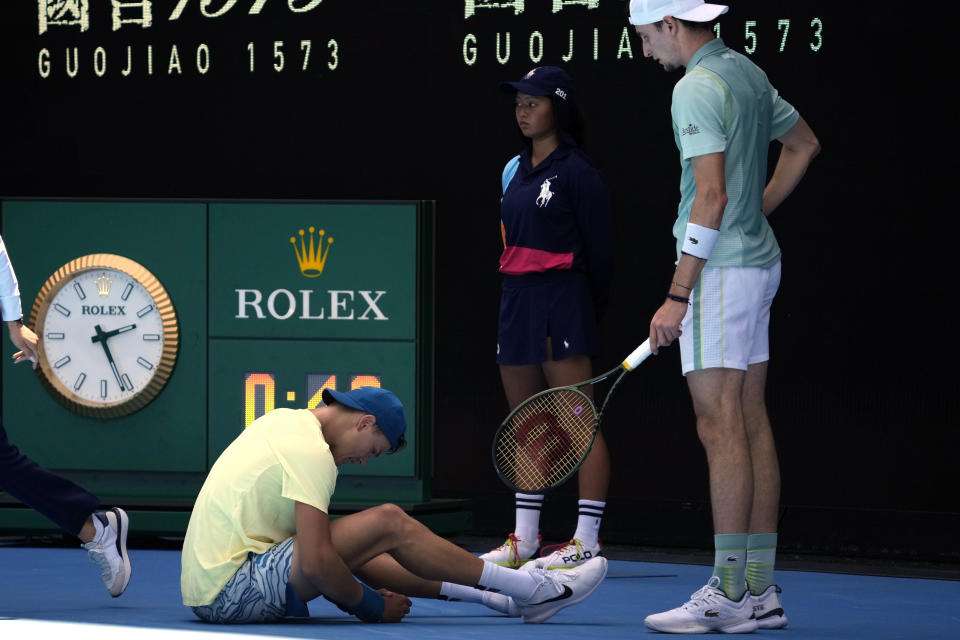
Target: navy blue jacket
(557,216)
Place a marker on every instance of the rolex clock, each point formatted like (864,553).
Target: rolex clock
(108,335)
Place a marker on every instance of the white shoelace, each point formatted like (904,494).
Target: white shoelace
(100,559)
(706,595)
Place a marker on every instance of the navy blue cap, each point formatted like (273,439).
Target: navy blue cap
(382,404)
(543,81)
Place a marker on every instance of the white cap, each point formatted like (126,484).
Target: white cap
(650,11)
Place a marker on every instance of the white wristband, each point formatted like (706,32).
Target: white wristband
(699,241)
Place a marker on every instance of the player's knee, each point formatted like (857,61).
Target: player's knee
(720,428)
(393,518)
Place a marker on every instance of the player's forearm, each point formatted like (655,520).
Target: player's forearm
(686,275)
(800,147)
(327,575)
(706,211)
(790,169)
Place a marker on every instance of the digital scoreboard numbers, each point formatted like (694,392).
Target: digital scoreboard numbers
(250,377)
(260,391)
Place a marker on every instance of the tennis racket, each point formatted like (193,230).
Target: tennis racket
(548,436)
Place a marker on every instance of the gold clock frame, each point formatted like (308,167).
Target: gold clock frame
(171,335)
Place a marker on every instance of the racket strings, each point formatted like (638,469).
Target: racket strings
(544,440)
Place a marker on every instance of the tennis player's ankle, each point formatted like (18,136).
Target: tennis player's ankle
(527,536)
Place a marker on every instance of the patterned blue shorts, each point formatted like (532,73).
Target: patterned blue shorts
(259,591)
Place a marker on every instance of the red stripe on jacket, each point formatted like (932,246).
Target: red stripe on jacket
(515,261)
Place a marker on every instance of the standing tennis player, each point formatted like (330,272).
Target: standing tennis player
(556,264)
(725,115)
(66,504)
(260,544)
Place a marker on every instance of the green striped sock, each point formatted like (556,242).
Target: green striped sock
(729,562)
(761,553)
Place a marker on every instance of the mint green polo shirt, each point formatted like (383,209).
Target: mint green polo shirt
(724,102)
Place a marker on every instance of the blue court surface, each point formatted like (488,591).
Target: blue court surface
(56,592)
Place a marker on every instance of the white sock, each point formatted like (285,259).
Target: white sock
(588,522)
(500,602)
(452,591)
(516,584)
(528,517)
(459,593)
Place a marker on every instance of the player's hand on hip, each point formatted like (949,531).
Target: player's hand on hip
(395,606)
(665,326)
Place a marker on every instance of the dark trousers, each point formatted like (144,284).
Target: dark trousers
(64,503)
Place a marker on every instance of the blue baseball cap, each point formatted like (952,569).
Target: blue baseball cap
(382,404)
(543,81)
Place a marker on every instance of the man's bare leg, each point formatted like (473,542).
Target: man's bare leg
(762,542)
(716,397)
(763,452)
(361,537)
(716,400)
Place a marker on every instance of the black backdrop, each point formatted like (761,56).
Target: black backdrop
(399,100)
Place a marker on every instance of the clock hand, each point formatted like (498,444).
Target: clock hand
(115,332)
(101,337)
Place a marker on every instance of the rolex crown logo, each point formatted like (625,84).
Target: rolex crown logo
(312,257)
(103,285)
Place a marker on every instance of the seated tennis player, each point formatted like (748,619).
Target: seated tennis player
(260,544)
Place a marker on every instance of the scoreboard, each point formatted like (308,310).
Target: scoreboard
(276,301)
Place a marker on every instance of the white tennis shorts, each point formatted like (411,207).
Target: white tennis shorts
(728,321)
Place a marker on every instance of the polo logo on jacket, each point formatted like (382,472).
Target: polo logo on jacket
(545,194)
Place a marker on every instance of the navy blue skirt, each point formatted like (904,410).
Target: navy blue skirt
(554,304)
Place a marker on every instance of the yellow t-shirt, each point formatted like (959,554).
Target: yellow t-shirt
(246,503)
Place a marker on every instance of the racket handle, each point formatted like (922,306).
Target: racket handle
(639,354)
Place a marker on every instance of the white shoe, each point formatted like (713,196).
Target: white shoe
(568,555)
(709,609)
(513,553)
(501,602)
(562,588)
(768,610)
(109,550)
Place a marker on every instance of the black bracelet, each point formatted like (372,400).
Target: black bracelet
(678,298)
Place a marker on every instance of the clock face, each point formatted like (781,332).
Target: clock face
(108,335)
